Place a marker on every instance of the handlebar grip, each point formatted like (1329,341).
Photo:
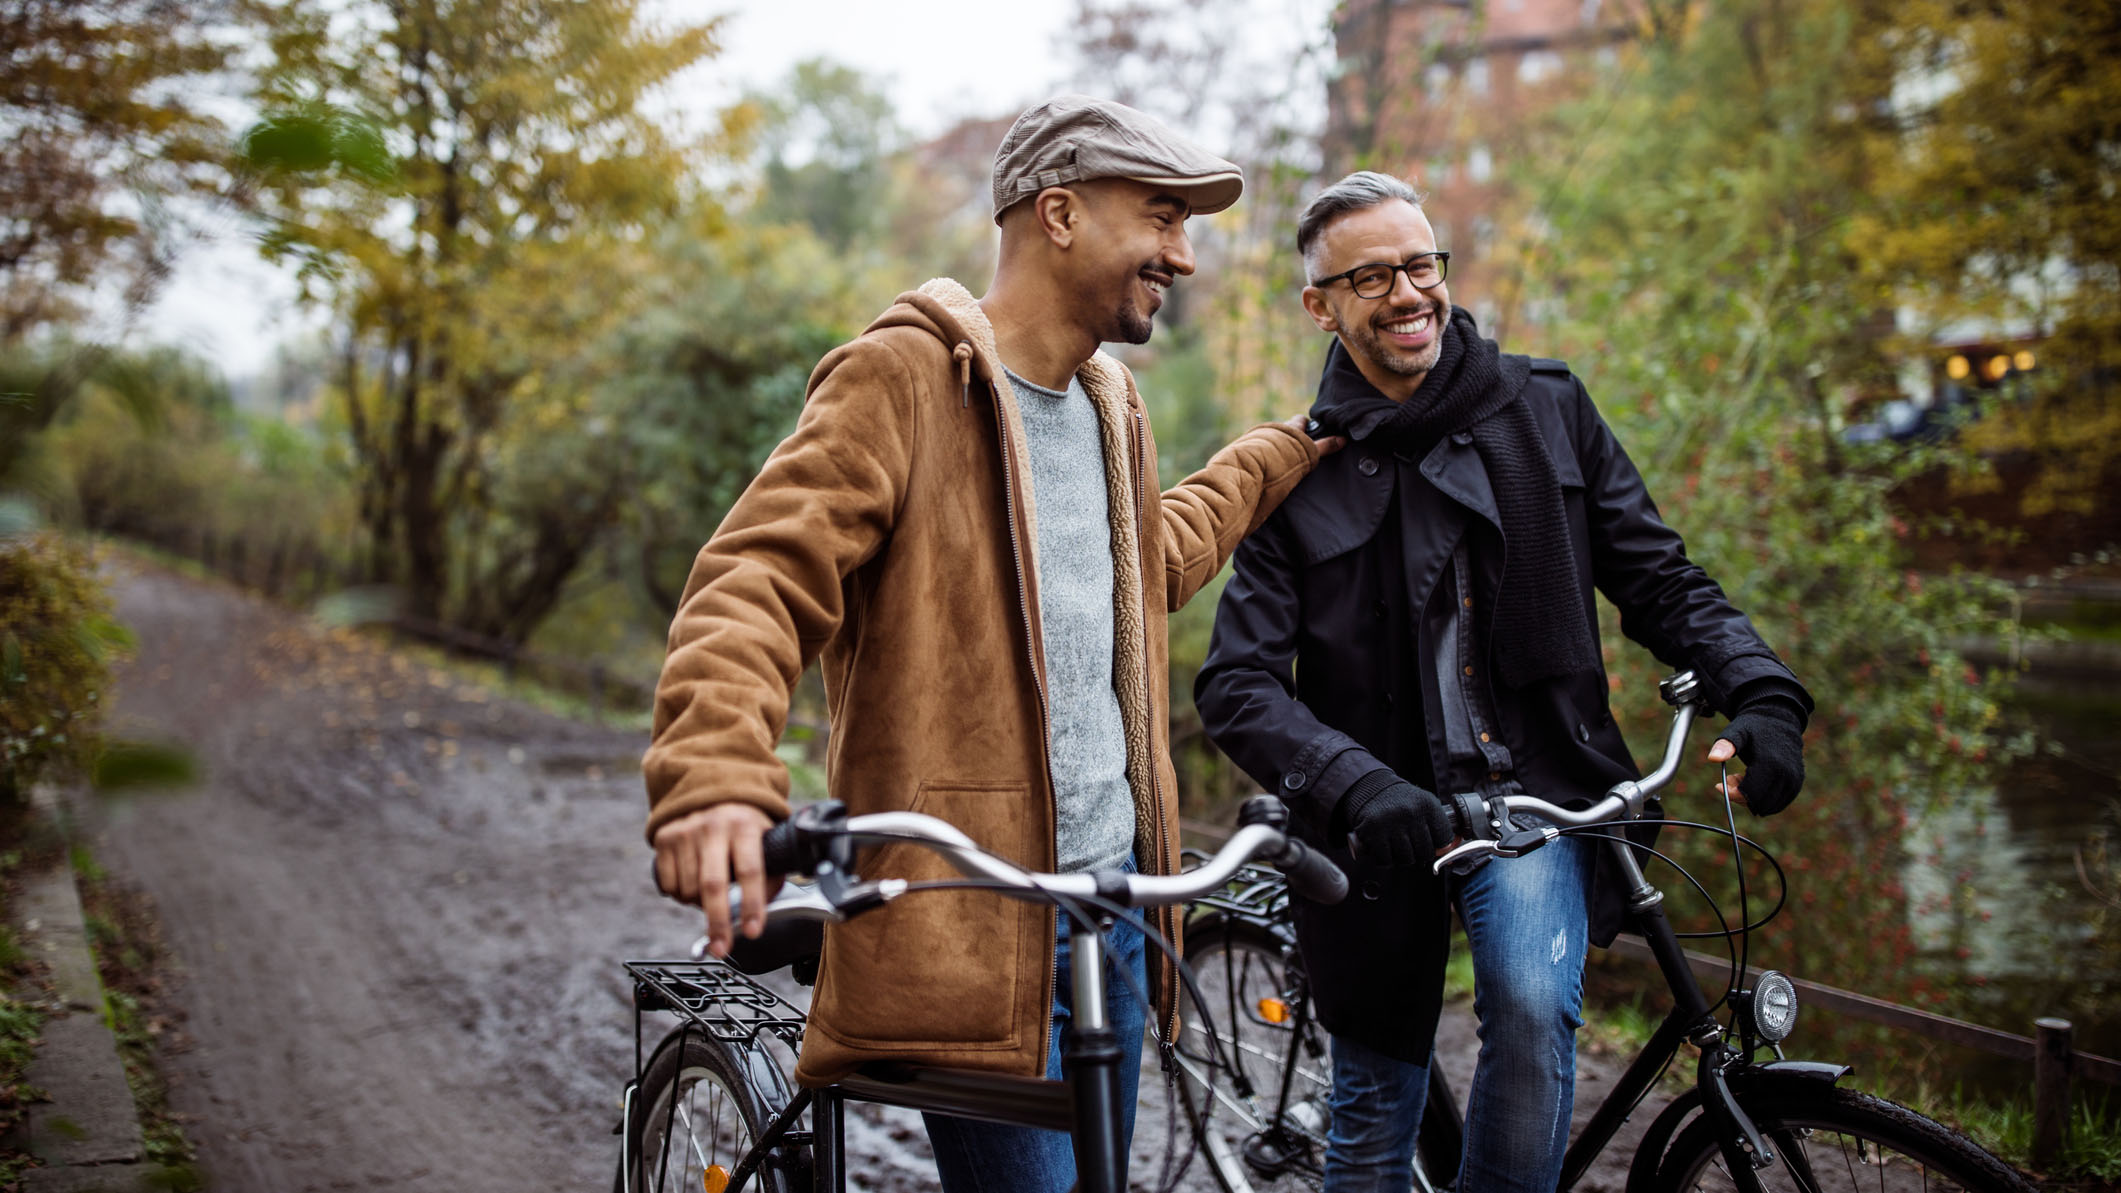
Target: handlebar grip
(782,850)
(1468,813)
(1312,874)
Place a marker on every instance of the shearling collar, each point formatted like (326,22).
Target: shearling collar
(1102,376)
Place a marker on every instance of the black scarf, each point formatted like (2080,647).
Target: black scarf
(1539,626)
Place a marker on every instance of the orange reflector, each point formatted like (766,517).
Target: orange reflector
(715,1179)
(1273,1010)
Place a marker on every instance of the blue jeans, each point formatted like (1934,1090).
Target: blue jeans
(1527,923)
(972,1156)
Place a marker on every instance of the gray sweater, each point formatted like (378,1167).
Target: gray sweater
(1095,806)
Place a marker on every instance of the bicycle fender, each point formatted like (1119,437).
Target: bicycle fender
(1747,1081)
(1649,1154)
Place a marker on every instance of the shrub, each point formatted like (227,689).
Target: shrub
(56,640)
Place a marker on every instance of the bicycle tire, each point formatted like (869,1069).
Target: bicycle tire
(1827,1138)
(714,1119)
(1247,1146)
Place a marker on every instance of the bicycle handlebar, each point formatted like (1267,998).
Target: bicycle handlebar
(818,840)
(1484,824)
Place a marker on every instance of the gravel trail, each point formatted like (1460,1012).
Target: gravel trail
(394,905)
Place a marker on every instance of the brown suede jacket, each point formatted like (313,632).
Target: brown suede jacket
(893,532)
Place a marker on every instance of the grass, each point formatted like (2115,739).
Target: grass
(21,1026)
(2091,1152)
(123,935)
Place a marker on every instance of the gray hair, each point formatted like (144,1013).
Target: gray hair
(1359,191)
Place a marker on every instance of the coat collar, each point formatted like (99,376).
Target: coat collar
(959,319)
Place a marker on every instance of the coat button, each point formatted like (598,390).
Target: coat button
(1367,466)
(1293,780)
(1371,890)
(1582,734)
(1461,438)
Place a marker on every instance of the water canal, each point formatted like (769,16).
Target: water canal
(2015,891)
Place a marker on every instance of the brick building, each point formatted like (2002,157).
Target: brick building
(1443,92)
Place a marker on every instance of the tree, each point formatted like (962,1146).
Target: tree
(1704,258)
(1999,200)
(473,267)
(710,378)
(826,135)
(98,144)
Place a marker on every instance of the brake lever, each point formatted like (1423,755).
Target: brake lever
(1513,844)
(1464,850)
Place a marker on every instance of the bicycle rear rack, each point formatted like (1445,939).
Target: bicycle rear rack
(719,1001)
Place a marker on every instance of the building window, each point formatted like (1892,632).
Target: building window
(1477,76)
(1537,65)
(1480,164)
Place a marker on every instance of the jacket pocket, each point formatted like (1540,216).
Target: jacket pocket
(938,969)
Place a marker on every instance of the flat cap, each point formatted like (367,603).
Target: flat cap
(1074,138)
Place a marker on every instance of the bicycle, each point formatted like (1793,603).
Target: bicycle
(1746,1123)
(711,1106)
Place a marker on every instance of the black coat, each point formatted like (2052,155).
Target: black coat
(1312,679)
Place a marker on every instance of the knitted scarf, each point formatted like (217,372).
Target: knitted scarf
(1539,627)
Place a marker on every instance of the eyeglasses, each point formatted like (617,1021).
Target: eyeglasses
(1424,270)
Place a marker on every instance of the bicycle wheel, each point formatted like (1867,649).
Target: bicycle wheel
(1261,1129)
(696,1115)
(1828,1139)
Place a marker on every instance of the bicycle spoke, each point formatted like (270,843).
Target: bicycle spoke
(692,1137)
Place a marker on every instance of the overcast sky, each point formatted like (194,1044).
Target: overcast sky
(939,60)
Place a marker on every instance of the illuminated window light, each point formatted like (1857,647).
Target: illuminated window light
(1997,366)
(2023,362)
(1956,368)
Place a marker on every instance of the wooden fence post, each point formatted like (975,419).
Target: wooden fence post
(2052,1062)
(596,692)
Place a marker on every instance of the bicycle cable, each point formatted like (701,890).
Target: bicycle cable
(1745,940)
(1729,935)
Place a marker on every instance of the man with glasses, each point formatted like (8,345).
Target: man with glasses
(1418,618)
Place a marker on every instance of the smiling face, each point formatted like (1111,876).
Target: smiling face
(1394,340)
(1133,247)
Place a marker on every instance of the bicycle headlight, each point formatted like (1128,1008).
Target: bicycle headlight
(1774,1006)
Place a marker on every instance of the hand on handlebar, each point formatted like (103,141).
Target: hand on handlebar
(1393,822)
(1769,739)
(698,854)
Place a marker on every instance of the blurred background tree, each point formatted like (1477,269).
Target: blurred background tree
(2002,193)
(98,143)
(524,180)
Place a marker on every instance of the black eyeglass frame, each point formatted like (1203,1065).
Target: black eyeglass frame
(1443,272)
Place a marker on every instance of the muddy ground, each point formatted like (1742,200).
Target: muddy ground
(395,905)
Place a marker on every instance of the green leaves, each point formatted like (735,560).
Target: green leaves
(318,137)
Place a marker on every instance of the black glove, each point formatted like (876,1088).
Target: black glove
(1769,734)
(1394,822)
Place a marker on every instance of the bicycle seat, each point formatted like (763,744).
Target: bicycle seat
(793,942)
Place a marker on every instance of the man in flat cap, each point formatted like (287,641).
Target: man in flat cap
(966,524)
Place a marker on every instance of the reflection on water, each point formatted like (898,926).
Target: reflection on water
(2012,890)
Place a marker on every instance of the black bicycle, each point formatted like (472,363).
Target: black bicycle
(711,1106)
(1752,1120)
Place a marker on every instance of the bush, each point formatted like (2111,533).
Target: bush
(56,640)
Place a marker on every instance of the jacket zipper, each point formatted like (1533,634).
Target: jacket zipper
(1156,785)
(1045,716)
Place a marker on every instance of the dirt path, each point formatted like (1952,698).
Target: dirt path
(396,905)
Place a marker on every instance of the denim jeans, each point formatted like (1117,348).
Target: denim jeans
(972,1156)
(1527,923)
